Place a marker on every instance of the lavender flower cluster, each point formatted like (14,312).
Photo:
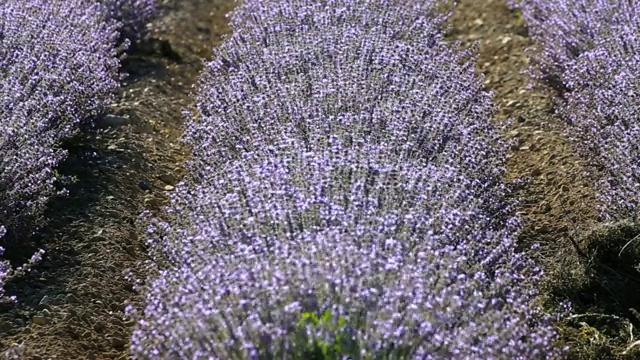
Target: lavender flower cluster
(593,48)
(345,200)
(59,67)
(133,16)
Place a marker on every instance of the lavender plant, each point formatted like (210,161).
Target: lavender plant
(371,72)
(346,199)
(592,48)
(133,16)
(567,29)
(399,254)
(59,67)
(603,110)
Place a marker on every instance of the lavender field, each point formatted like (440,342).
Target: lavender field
(336,179)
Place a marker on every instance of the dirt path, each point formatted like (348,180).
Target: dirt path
(558,203)
(72,306)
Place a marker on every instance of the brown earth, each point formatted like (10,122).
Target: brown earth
(72,305)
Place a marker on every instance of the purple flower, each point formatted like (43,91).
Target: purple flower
(343,164)
(133,15)
(592,49)
(59,68)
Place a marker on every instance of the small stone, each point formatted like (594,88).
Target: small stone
(71,299)
(168,179)
(144,186)
(131,250)
(41,320)
(133,235)
(168,188)
(151,202)
(111,120)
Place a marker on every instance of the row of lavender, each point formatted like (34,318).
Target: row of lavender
(59,66)
(345,199)
(591,49)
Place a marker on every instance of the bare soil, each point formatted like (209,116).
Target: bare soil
(72,305)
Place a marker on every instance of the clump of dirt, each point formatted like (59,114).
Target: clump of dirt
(71,306)
(581,257)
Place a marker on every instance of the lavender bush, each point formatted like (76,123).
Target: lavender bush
(592,48)
(345,200)
(604,111)
(133,16)
(59,67)
(394,248)
(354,68)
(567,29)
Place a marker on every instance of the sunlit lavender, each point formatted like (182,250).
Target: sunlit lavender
(592,48)
(133,16)
(59,67)
(567,29)
(345,199)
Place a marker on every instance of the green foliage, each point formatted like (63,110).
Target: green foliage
(312,348)
(65,179)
